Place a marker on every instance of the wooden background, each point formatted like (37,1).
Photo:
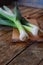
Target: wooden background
(30,53)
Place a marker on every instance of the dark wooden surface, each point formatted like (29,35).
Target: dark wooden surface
(21,53)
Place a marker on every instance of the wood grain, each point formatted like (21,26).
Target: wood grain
(9,49)
(31,56)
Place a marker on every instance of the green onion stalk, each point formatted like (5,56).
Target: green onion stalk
(15,19)
(29,27)
(12,17)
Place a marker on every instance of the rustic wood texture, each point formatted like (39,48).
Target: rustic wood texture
(31,56)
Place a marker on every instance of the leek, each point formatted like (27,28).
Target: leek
(12,17)
(7,9)
(29,27)
(6,22)
(11,24)
(33,30)
(15,19)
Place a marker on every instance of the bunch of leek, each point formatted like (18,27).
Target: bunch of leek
(14,19)
(28,26)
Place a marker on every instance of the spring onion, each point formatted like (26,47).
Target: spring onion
(11,24)
(23,34)
(15,20)
(6,22)
(31,28)
(7,9)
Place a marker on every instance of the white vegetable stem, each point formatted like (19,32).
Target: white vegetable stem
(33,29)
(7,9)
(23,35)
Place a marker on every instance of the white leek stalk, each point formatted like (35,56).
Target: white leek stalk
(33,29)
(23,35)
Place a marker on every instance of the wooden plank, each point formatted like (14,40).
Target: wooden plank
(37,11)
(32,12)
(4,30)
(9,49)
(36,15)
(22,7)
(31,56)
(27,13)
(26,10)
(8,52)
